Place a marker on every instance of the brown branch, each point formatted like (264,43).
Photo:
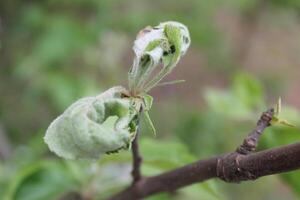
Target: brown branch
(273,161)
(241,165)
(136,159)
(250,142)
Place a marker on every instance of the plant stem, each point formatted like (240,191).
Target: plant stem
(136,157)
(251,141)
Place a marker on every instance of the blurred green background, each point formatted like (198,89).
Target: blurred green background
(244,55)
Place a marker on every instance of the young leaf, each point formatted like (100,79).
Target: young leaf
(178,41)
(170,82)
(163,44)
(148,101)
(284,122)
(149,122)
(276,118)
(93,126)
(277,108)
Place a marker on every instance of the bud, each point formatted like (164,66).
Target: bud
(163,44)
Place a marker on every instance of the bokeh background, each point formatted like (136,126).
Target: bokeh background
(244,55)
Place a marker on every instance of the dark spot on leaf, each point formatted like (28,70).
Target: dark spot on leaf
(172,49)
(186,40)
(144,60)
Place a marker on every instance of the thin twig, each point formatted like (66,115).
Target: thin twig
(251,141)
(136,157)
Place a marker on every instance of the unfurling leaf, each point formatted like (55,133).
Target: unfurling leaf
(163,44)
(276,118)
(277,107)
(93,126)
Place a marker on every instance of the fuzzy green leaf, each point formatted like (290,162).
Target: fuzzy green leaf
(163,44)
(93,126)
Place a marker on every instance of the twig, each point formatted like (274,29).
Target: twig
(228,168)
(250,142)
(233,167)
(136,157)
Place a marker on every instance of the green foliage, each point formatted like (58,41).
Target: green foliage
(164,155)
(24,176)
(41,180)
(242,101)
(290,4)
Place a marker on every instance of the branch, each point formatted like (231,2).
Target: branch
(273,161)
(232,167)
(137,159)
(250,142)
